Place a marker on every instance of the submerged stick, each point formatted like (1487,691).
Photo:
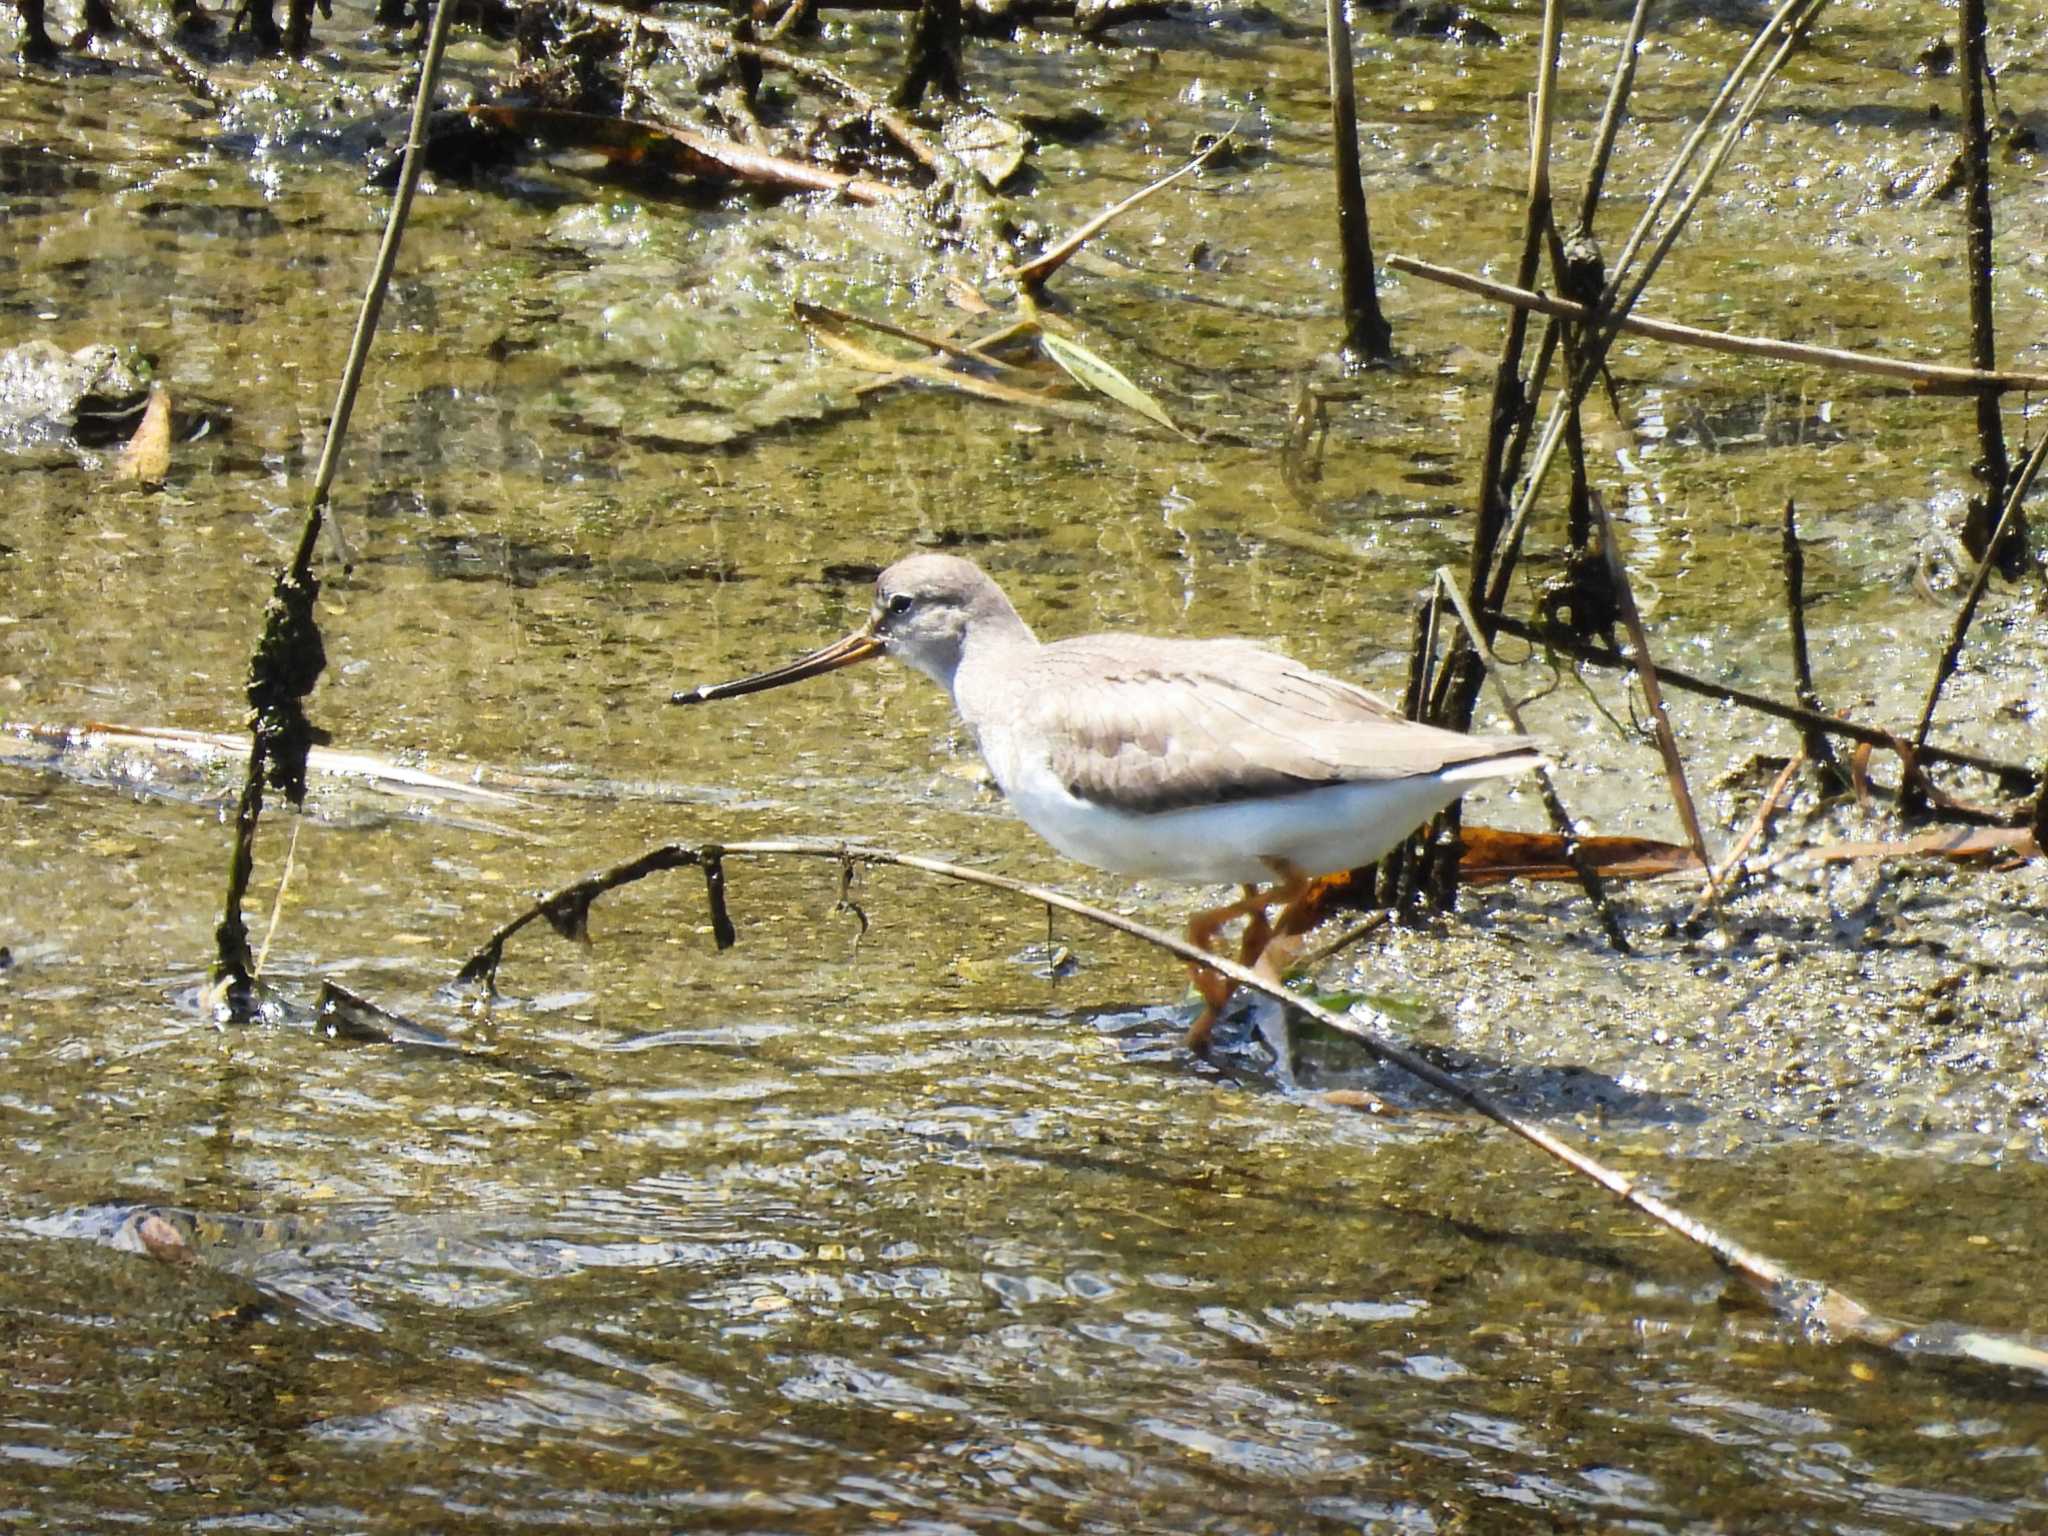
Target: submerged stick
(1808,1303)
(289,656)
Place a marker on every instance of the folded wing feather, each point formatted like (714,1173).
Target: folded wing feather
(1207,721)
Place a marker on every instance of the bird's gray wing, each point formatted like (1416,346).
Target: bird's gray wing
(1179,723)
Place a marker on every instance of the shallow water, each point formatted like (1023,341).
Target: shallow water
(846,1230)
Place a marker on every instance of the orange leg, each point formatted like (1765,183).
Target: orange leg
(1258,948)
(1277,945)
(1215,988)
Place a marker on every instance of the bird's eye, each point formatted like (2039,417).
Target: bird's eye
(900,603)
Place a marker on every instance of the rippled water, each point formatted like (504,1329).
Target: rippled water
(861,1230)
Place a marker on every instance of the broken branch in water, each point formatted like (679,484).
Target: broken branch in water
(1034,272)
(679,151)
(1813,1306)
(913,143)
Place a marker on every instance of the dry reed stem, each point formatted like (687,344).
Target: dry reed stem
(1935,378)
(1867,735)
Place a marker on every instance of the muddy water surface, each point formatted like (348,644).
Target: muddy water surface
(889,1230)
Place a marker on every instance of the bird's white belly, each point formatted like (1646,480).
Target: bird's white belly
(1318,831)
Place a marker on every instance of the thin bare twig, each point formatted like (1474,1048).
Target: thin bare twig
(1817,747)
(1610,116)
(1646,674)
(1717,880)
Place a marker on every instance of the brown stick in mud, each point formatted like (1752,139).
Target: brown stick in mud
(935,54)
(1646,675)
(1819,751)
